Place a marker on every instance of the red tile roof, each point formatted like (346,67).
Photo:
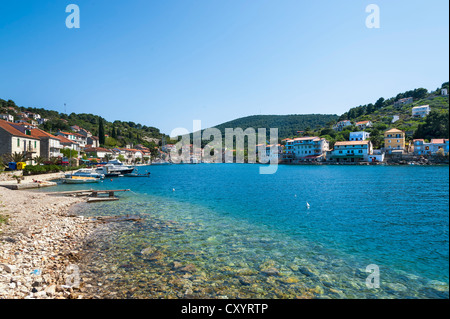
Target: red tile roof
(12,130)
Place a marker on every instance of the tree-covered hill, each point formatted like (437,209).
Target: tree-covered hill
(118,133)
(288,125)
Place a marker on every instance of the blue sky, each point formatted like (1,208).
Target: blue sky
(166,63)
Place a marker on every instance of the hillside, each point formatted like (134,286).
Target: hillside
(287,125)
(118,133)
(382,112)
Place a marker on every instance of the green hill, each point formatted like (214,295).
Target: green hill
(119,133)
(287,125)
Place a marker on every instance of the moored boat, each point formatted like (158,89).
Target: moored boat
(80,180)
(86,172)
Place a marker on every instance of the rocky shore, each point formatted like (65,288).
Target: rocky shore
(39,246)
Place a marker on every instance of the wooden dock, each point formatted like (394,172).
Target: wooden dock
(92,194)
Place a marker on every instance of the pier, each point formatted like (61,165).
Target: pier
(92,194)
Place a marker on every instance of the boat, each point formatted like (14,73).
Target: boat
(80,180)
(137,175)
(85,172)
(114,168)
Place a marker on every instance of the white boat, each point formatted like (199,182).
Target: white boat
(80,180)
(114,168)
(86,172)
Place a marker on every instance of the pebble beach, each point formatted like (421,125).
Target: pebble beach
(39,246)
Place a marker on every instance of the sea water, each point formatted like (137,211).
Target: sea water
(225,231)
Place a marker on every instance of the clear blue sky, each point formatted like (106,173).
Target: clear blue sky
(166,63)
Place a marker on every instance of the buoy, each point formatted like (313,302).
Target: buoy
(173,189)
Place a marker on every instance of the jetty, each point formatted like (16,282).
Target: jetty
(93,195)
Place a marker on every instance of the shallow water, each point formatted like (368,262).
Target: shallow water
(224,231)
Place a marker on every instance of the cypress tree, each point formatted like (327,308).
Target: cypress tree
(101,132)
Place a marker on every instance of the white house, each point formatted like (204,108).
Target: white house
(303,149)
(395,118)
(341,124)
(405,101)
(444,92)
(359,136)
(377,156)
(351,151)
(362,125)
(16,138)
(421,111)
(7,117)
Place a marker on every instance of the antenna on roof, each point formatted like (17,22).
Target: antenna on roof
(65,111)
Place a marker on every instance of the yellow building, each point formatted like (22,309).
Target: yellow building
(394,140)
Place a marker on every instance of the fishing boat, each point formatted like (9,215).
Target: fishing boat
(114,168)
(85,172)
(136,174)
(80,180)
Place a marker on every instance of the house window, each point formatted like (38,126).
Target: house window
(35,144)
(18,142)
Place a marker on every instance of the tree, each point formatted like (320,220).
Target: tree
(435,126)
(101,132)
(69,153)
(379,103)
(39,160)
(113,132)
(376,138)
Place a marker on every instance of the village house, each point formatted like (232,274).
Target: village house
(359,136)
(351,151)
(77,137)
(17,139)
(93,141)
(395,118)
(362,125)
(302,149)
(99,152)
(421,111)
(405,101)
(439,143)
(376,156)
(7,117)
(66,143)
(50,144)
(339,126)
(420,147)
(394,141)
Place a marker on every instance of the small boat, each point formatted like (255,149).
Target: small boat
(85,172)
(307,205)
(114,168)
(80,180)
(137,175)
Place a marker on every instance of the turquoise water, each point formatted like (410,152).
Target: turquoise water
(252,236)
